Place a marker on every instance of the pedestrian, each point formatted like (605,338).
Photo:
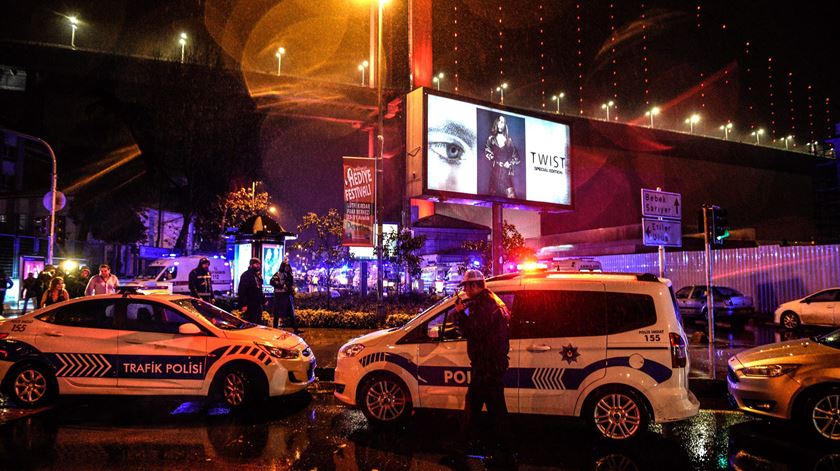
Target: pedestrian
(251,296)
(76,285)
(484,321)
(5,283)
(284,296)
(103,283)
(29,290)
(44,281)
(55,293)
(201,281)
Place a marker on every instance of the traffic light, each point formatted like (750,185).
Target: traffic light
(60,230)
(720,225)
(41,225)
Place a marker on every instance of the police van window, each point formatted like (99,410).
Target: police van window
(91,314)
(169,273)
(147,317)
(550,314)
(626,312)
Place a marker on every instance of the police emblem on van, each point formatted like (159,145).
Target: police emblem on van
(570,354)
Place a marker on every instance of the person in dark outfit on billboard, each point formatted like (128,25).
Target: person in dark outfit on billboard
(251,296)
(504,157)
(484,321)
(201,282)
(284,295)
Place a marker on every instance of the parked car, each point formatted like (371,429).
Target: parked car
(795,380)
(730,305)
(820,308)
(607,348)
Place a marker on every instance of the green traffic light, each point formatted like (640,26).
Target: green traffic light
(724,235)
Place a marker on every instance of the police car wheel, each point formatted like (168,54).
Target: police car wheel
(32,386)
(385,400)
(237,388)
(617,414)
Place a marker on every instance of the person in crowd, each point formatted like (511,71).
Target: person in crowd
(201,281)
(76,285)
(55,293)
(484,321)
(103,283)
(5,283)
(44,279)
(251,296)
(29,290)
(284,296)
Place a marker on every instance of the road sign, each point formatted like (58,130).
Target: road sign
(661,204)
(661,232)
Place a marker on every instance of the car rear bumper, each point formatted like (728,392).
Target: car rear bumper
(674,404)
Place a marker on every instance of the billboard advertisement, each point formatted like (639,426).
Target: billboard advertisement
(359,198)
(477,152)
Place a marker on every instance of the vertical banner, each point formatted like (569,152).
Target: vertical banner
(359,194)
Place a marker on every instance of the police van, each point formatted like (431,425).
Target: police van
(148,345)
(171,275)
(608,348)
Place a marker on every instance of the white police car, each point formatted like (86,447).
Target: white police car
(147,345)
(609,348)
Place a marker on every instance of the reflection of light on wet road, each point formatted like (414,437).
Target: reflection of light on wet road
(706,437)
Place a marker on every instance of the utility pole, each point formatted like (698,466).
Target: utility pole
(708,211)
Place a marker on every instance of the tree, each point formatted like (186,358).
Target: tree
(400,248)
(230,210)
(513,247)
(320,237)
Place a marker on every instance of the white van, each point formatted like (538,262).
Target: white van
(172,275)
(608,348)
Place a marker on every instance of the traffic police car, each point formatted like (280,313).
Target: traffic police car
(148,345)
(608,348)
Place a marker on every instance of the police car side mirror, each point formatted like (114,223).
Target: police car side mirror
(433,331)
(188,329)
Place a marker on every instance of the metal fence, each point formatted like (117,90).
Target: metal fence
(770,274)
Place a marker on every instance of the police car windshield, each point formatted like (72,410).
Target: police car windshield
(414,319)
(218,317)
(152,271)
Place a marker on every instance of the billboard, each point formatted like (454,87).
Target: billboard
(478,152)
(359,198)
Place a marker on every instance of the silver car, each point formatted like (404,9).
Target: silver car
(730,305)
(797,380)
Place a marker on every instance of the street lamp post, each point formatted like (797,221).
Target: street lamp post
(786,140)
(378,163)
(437,79)
(74,23)
(183,42)
(501,89)
(691,121)
(757,133)
(362,67)
(726,128)
(606,106)
(279,55)
(652,112)
(557,99)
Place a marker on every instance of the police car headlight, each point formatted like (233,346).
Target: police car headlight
(768,371)
(351,350)
(282,353)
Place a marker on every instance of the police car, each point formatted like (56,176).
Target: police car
(608,348)
(148,345)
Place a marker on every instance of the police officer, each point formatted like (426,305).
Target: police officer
(484,321)
(251,296)
(284,296)
(201,282)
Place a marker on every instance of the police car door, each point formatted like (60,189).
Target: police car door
(153,354)
(80,340)
(562,344)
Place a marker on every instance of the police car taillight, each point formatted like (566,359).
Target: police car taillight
(679,351)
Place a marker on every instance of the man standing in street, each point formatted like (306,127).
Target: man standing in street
(77,285)
(103,283)
(284,294)
(484,321)
(201,282)
(251,296)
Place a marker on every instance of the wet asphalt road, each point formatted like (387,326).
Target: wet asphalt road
(313,431)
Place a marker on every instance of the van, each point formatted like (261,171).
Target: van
(607,348)
(172,275)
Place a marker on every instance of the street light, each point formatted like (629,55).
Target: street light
(607,106)
(279,55)
(364,65)
(74,23)
(501,89)
(726,128)
(557,98)
(183,42)
(691,121)
(786,140)
(653,112)
(757,133)
(436,79)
